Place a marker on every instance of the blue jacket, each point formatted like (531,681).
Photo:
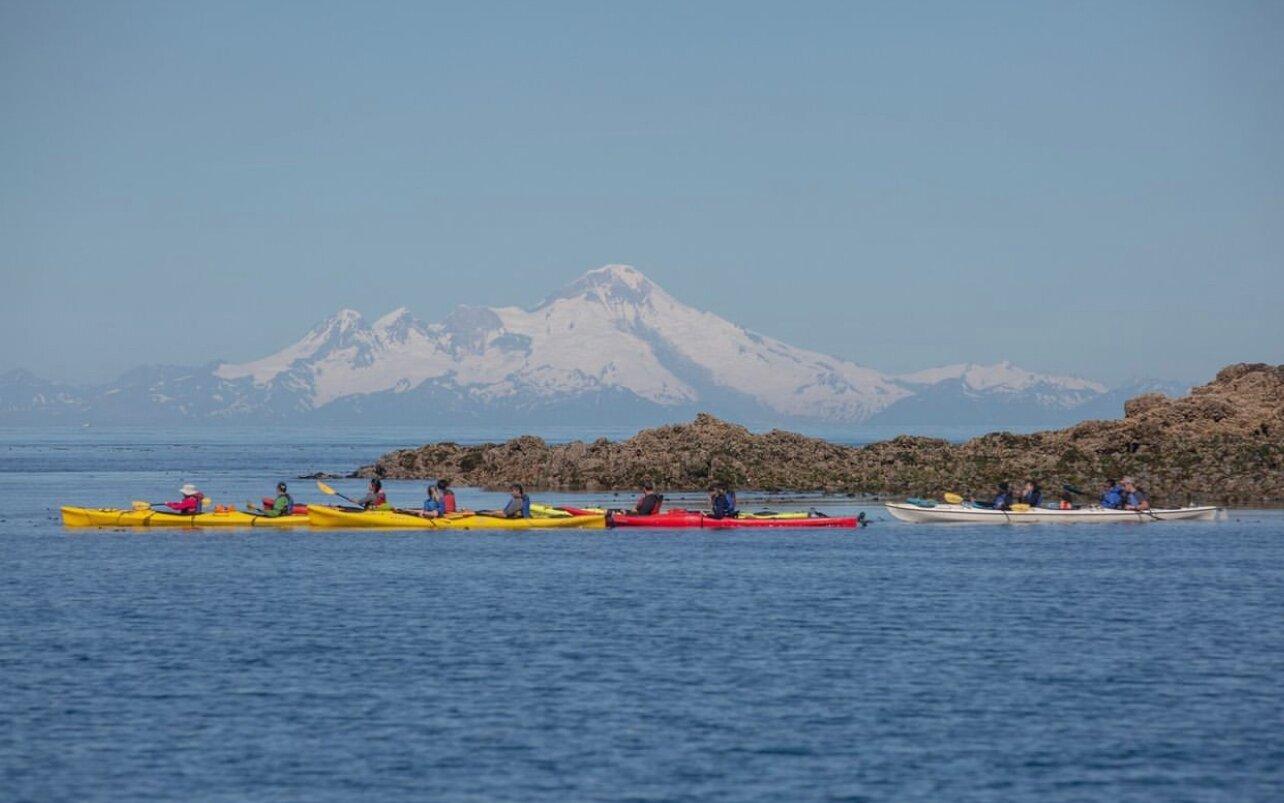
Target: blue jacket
(1136,498)
(1003,501)
(433,504)
(724,506)
(1034,498)
(1113,498)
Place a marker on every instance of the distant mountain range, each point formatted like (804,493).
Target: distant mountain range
(612,347)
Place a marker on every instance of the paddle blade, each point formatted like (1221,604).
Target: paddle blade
(1020,507)
(954,499)
(139,504)
(206,502)
(326,489)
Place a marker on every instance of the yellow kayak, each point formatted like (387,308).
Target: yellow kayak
(332,517)
(114,517)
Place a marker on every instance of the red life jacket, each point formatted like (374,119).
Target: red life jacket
(448,501)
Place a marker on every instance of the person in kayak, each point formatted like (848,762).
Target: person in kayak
(191,502)
(1112,495)
(649,502)
(447,496)
(376,499)
(281,505)
(519,505)
(1003,499)
(722,502)
(434,505)
(1067,501)
(1031,495)
(1134,497)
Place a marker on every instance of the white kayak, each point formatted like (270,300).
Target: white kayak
(921,514)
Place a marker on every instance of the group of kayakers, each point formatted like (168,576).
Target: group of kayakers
(722,501)
(1124,494)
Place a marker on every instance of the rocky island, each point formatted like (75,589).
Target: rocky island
(1223,443)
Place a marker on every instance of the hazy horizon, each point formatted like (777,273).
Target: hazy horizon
(1090,190)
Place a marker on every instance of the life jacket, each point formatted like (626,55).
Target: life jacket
(289,504)
(448,501)
(723,506)
(649,504)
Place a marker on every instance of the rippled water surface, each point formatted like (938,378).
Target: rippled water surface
(1120,662)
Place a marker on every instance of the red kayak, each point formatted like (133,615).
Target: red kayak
(694,518)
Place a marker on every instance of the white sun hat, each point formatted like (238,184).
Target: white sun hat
(188,490)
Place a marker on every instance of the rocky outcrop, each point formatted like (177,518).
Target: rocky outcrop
(1224,442)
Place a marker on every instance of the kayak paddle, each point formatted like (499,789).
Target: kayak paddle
(328,491)
(953,499)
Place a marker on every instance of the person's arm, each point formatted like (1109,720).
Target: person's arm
(188,504)
(513,509)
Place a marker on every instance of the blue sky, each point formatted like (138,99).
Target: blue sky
(1093,188)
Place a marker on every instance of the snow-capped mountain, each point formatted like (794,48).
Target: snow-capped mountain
(612,346)
(611,331)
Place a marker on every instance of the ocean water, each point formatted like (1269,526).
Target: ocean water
(898,662)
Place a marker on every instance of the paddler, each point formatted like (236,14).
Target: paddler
(375,499)
(722,502)
(1134,497)
(1003,499)
(1031,495)
(281,505)
(519,504)
(191,502)
(1112,495)
(649,502)
(434,505)
(447,496)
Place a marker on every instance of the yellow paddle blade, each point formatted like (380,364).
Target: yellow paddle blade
(1020,507)
(326,489)
(206,502)
(954,499)
(139,504)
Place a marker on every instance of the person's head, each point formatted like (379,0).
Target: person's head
(1110,483)
(1065,496)
(516,490)
(1128,484)
(1004,487)
(280,487)
(376,484)
(189,489)
(648,487)
(443,484)
(1031,485)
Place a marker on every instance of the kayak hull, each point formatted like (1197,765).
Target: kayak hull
(115,517)
(691,519)
(337,518)
(962,514)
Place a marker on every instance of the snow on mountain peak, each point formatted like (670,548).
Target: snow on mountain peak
(393,319)
(1003,376)
(610,284)
(612,330)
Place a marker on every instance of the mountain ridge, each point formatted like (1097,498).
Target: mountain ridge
(610,339)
